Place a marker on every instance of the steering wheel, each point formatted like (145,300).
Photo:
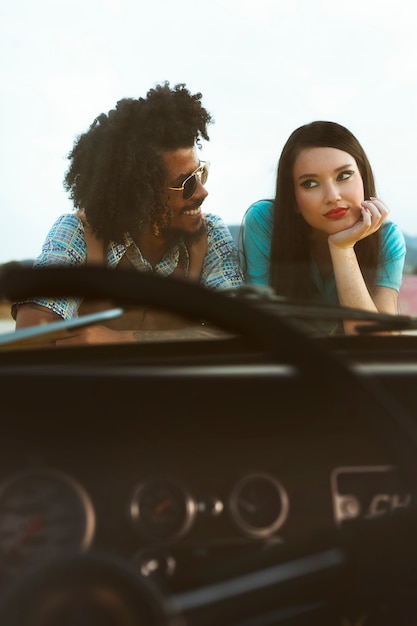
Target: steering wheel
(302,571)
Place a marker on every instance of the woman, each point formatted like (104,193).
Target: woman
(326,236)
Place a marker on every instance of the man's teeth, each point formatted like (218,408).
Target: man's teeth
(192,212)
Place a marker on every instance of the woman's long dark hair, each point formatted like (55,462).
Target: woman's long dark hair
(290,273)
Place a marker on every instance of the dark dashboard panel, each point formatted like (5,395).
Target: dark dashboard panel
(184,464)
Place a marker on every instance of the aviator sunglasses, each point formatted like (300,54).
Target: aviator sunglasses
(189,185)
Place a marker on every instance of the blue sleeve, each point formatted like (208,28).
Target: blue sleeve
(221,269)
(257,234)
(64,246)
(393,250)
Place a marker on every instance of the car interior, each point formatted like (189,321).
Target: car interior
(266,475)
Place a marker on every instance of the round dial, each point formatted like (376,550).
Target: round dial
(43,514)
(162,509)
(258,504)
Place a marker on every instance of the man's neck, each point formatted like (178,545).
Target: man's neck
(153,247)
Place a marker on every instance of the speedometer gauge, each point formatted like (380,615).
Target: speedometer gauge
(162,509)
(43,514)
(258,504)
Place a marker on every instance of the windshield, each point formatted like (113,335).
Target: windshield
(300,173)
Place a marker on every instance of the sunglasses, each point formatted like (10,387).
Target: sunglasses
(189,185)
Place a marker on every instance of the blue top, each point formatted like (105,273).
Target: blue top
(257,234)
(65,245)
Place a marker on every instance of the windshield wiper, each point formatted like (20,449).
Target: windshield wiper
(33,335)
(279,305)
(396,322)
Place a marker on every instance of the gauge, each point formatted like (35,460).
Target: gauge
(258,504)
(43,514)
(162,509)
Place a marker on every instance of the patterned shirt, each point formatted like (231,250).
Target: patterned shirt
(65,245)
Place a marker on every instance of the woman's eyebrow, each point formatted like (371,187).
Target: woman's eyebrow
(307,176)
(337,169)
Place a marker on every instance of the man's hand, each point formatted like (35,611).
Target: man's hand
(94,335)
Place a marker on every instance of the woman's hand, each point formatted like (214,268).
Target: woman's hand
(373,213)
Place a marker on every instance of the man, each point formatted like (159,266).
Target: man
(137,185)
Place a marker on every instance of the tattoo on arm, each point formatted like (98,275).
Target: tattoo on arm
(194,332)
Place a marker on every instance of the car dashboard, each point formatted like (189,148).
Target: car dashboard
(188,463)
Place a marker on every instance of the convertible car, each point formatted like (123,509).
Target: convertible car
(263,474)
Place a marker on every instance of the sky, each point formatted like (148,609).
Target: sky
(264,68)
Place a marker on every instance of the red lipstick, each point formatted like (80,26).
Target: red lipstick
(337,213)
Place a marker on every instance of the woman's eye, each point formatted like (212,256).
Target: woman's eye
(345,175)
(309,184)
